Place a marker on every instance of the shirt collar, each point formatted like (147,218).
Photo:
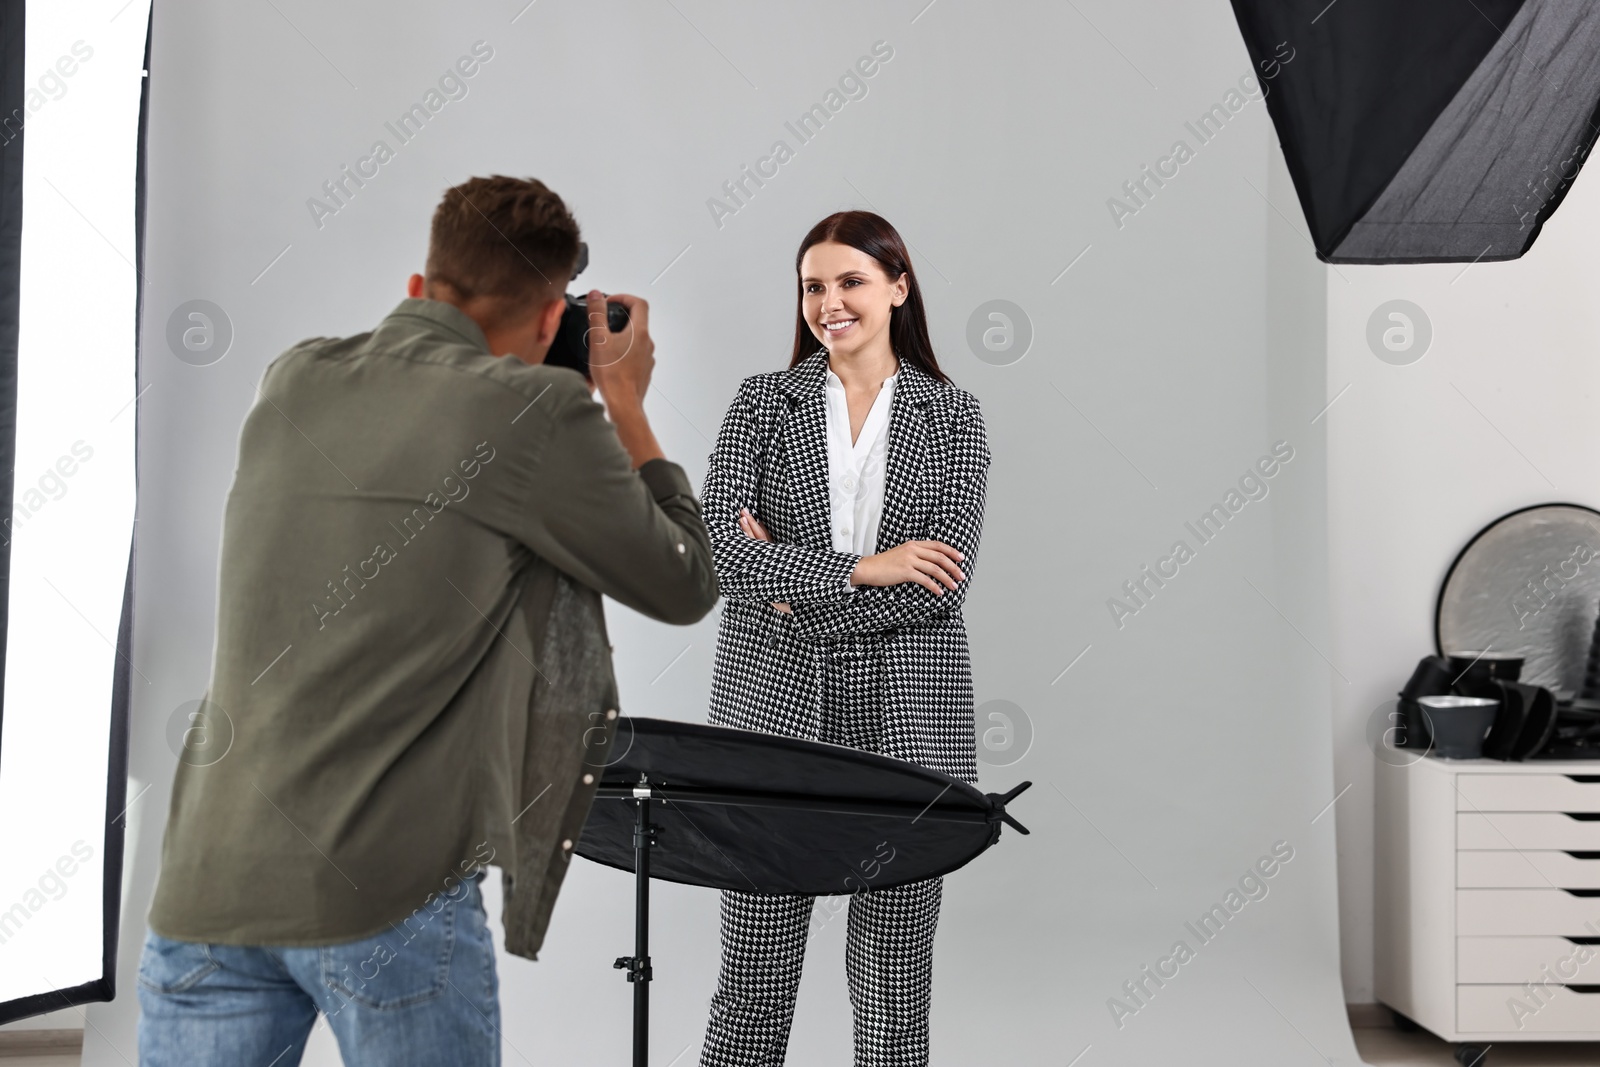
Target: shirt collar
(438,318)
(810,377)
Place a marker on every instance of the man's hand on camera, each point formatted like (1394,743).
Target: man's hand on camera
(620,364)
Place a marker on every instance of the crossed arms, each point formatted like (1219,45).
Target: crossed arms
(814,581)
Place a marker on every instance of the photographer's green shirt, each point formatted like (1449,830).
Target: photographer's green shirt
(389,707)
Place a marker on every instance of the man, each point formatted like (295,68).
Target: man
(411,676)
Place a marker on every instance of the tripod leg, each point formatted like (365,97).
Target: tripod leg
(642,835)
(638,965)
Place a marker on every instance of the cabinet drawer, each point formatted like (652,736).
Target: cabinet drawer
(1526,829)
(1515,960)
(1527,792)
(1491,1008)
(1526,911)
(1529,869)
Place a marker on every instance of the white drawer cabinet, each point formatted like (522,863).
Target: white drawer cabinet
(1487,887)
(1520,912)
(1509,960)
(1535,791)
(1527,868)
(1526,829)
(1565,1015)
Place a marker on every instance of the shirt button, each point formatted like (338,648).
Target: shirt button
(681,549)
(611,713)
(588,779)
(567,844)
(849,483)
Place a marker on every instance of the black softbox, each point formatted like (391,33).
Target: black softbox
(1425,131)
(762,813)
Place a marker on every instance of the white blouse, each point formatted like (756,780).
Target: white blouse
(857,469)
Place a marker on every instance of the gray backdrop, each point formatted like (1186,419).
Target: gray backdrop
(1158,346)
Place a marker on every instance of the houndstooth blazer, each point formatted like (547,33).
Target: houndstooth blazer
(771,456)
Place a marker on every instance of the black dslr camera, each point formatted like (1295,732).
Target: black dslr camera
(571,346)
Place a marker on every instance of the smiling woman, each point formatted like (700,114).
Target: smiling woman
(69,195)
(848,493)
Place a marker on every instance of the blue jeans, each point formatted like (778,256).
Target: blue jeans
(423,992)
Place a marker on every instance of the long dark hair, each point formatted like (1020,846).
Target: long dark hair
(908,323)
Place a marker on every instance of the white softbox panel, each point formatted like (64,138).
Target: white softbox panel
(72,89)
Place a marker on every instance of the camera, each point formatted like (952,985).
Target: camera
(571,345)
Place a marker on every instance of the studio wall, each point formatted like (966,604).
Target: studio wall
(1158,358)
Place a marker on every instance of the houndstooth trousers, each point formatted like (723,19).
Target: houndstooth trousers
(889,934)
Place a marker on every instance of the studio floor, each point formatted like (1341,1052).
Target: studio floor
(1380,1048)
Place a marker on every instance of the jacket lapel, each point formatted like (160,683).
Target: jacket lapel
(804,447)
(910,432)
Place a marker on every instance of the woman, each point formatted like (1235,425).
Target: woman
(844,500)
